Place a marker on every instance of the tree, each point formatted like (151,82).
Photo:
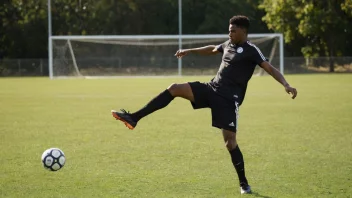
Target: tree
(347,7)
(72,17)
(23,24)
(20,24)
(324,26)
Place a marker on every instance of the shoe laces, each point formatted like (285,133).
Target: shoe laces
(124,111)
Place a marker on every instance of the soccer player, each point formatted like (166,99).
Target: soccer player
(223,94)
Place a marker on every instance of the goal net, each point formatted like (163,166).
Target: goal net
(153,55)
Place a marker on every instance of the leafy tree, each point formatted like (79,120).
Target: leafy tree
(21,22)
(347,7)
(324,26)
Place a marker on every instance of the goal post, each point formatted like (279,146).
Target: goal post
(146,55)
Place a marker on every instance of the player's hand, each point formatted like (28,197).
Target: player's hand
(180,53)
(291,90)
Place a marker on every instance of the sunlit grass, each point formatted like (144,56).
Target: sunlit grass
(292,148)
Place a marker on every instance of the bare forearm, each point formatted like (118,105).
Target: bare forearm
(278,76)
(206,50)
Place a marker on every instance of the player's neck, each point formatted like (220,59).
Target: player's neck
(244,40)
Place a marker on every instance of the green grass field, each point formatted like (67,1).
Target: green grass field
(292,148)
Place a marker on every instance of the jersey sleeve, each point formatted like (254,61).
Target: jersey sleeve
(221,47)
(257,56)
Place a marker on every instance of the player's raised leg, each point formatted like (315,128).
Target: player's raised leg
(162,100)
(237,159)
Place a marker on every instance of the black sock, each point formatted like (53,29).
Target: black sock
(238,163)
(159,102)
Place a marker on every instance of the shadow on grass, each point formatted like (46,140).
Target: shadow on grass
(255,194)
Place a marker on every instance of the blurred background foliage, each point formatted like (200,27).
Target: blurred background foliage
(311,28)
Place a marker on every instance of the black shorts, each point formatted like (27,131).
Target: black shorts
(224,111)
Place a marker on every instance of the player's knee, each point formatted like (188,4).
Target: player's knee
(230,144)
(173,89)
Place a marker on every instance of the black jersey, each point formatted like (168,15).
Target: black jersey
(236,69)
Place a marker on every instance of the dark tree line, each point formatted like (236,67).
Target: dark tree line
(311,28)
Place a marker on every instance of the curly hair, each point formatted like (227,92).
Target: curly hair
(240,21)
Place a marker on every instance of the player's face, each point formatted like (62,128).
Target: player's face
(236,34)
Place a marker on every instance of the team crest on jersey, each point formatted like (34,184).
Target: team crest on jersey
(239,50)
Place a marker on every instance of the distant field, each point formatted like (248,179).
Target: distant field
(292,148)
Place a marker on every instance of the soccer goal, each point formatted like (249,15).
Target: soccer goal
(146,55)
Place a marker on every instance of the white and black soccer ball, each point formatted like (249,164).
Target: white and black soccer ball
(53,159)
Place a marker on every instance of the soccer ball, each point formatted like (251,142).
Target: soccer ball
(53,159)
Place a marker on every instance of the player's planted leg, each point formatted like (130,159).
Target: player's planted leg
(237,159)
(238,163)
(159,102)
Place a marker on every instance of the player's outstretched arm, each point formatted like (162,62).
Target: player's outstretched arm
(279,77)
(206,50)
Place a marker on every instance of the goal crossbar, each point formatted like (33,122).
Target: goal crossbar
(183,36)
